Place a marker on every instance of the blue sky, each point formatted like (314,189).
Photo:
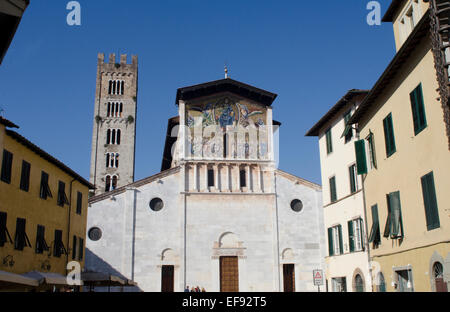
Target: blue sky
(308,52)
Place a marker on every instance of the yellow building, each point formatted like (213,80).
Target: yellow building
(404,158)
(43,211)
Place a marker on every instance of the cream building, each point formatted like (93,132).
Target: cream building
(219,215)
(404,156)
(347,261)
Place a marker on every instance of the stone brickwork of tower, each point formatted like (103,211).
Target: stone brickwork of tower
(114,125)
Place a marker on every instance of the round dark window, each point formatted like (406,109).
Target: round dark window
(95,233)
(296,205)
(156,204)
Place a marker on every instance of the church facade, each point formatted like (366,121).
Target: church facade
(219,215)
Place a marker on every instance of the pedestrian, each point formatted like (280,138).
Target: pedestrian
(186,289)
(203,289)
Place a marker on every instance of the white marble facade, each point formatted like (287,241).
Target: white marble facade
(198,224)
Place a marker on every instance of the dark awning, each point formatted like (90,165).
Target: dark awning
(8,279)
(104,279)
(47,278)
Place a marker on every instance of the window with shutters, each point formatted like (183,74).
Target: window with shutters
(371,146)
(375,237)
(335,244)
(21,238)
(58,245)
(6,166)
(45,188)
(62,197)
(394,222)
(348,132)
(25,176)
(361,160)
(80,248)
(4,233)
(430,202)
(79,202)
(355,235)
(41,243)
(329,141)
(333,194)
(389,135)
(74,247)
(418,110)
(353,179)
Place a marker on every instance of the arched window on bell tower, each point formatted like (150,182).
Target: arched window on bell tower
(107,183)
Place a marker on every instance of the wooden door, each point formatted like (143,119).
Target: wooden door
(289,278)
(441,286)
(229,274)
(167,278)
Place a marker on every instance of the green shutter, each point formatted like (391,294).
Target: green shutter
(329,141)
(396,226)
(430,202)
(74,247)
(351,238)
(25,177)
(361,160)
(6,166)
(389,135)
(330,242)
(414,109)
(80,248)
(361,235)
(341,245)
(348,131)
(375,231)
(372,150)
(418,110)
(387,227)
(352,175)
(333,195)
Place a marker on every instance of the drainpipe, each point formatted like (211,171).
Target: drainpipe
(278,231)
(365,219)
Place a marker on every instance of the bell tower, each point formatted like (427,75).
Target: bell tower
(114,126)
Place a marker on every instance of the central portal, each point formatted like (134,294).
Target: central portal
(229,274)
